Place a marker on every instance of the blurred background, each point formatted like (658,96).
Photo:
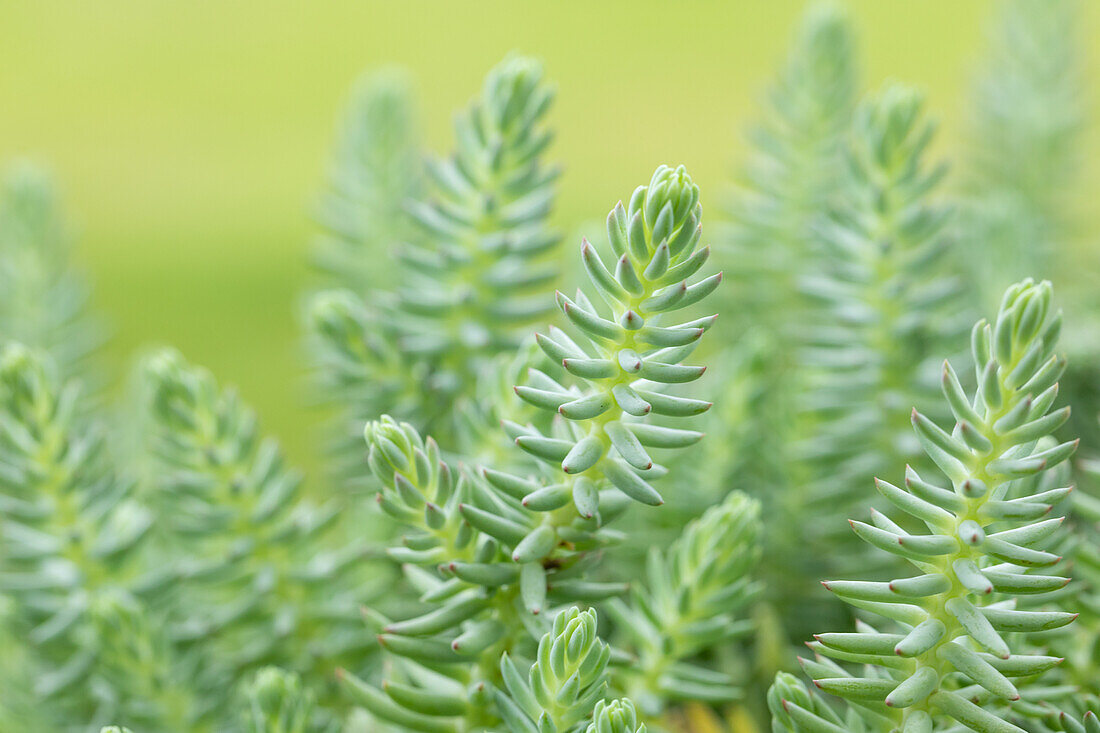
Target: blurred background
(190,140)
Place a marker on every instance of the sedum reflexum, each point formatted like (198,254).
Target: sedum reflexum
(470,272)
(793,174)
(470,292)
(793,171)
(617,716)
(358,368)
(42,299)
(953,647)
(1028,117)
(1081,647)
(617,375)
(1024,133)
(276,701)
(489,551)
(885,308)
(566,681)
(150,683)
(692,597)
(795,709)
(376,169)
(564,690)
(266,577)
(1090,723)
(71,531)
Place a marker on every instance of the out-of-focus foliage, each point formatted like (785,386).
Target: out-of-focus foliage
(71,534)
(376,171)
(860,301)
(42,300)
(263,575)
(144,592)
(886,309)
(1023,143)
(792,176)
(473,252)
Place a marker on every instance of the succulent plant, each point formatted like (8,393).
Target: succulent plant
(265,576)
(489,551)
(278,702)
(42,297)
(471,265)
(695,596)
(166,569)
(946,653)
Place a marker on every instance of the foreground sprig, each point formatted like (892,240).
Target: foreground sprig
(626,360)
(1090,723)
(617,716)
(796,709)
(478,601)
(950,656)
(277,702)
(568,678)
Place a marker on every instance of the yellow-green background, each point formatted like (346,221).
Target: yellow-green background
(190,137)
